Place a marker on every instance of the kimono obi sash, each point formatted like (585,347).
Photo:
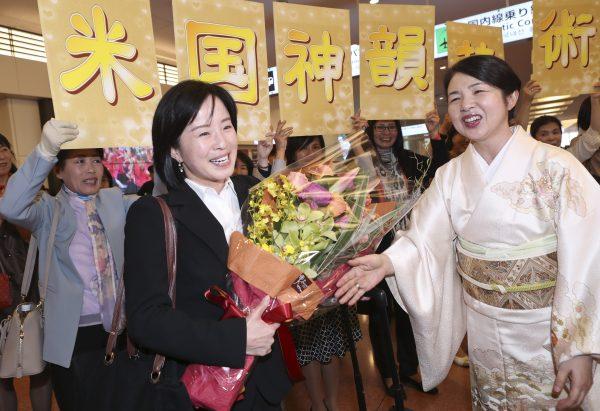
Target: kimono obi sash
(516,278)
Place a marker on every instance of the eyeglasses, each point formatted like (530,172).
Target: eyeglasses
(384,128)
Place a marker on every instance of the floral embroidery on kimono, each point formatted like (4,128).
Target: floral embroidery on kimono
(510,384)
(573,322)
(540,195)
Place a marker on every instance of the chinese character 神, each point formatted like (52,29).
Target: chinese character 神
(559,40)
(466,50)
(102,46)
(398,67)
(327,61)
(216,55)
(323,62)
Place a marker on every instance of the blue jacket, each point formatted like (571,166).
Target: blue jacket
(64,296)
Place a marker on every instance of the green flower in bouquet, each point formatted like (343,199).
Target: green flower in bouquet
(296,226)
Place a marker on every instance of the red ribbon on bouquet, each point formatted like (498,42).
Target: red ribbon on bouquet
(277,313)
(218,388)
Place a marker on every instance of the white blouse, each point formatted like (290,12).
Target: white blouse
(224,205)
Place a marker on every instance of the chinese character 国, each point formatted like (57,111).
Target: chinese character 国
(217,56)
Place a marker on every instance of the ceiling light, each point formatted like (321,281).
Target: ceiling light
(550,105)
(373,1)
(547,109)
(547,112)
(441,98)
(551,98)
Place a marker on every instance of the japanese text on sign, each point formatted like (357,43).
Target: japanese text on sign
(217,56)
(558,39)
(322,62)
(466,50)
(397,67)
(102,46)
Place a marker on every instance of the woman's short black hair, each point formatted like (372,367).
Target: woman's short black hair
(298,143)
(542,121)
(178,108)
(489,69)
(584,117)
(243,157)
(68,153)
(5,143)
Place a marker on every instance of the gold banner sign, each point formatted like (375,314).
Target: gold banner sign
(102,69)
(466,40)
(396,61)
(566,46)
(224,42)
(312,46)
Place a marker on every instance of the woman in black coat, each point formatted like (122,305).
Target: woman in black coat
(401,168)
(195,143)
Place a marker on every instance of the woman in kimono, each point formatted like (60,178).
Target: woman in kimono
(515,219)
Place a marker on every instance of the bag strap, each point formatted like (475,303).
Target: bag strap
(171,249)
(29,266)
(49,250)
(31,254)
(109,352)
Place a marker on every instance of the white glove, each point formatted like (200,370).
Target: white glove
(54,134)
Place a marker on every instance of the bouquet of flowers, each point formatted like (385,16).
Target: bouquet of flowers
(301,226)
(304,223)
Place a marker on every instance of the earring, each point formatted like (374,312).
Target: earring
(181,167)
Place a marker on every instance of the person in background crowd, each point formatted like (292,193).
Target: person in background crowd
(107,179)
(264,150)
(526,96)
(588,122)
(322,338)
(456,143)
(148,186)
(243,165)
(13,254)
(194,137)
(547,129)
(499,245)
(402,168)
(87,257)
(405,165)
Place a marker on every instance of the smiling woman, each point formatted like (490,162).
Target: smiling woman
(195,142)
(499,246)
(85,261)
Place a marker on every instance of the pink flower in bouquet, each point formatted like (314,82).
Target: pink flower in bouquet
(316,195)
(298,180)
(345,182)
(337,206)
(343,221)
